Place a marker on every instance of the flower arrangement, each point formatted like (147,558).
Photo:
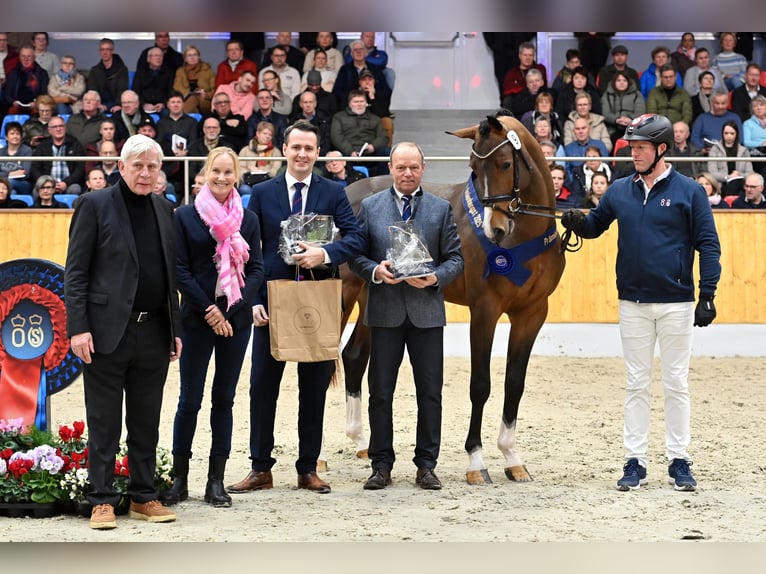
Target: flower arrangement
(37,467)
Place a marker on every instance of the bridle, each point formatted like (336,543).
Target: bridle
(515,204)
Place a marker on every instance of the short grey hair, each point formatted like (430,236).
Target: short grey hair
(138,144)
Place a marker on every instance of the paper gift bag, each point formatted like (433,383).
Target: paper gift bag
(304,319)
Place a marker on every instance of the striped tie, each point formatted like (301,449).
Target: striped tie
(297,199)
(406,209)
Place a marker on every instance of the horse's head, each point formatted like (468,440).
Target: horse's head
(510,171)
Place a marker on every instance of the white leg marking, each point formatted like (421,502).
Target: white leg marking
(475,460)
(506,442)
(354,428)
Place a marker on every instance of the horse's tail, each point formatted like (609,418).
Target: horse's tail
(337,375)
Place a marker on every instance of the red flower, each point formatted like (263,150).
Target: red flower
(20,467)
(79,428)
(65,433)
(121,467)
(6,453)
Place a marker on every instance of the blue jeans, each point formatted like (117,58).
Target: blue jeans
(198,346)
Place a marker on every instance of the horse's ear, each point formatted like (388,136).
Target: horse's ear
(495,123)
(468,133)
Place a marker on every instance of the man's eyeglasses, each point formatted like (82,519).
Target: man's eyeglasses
(219,102)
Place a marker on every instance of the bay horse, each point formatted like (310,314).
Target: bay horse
(513,188)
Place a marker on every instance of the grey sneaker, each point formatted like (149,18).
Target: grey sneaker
(680,475)
(634,475)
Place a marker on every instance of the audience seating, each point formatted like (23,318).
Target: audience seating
(21,118)
(67,198)
(28,199)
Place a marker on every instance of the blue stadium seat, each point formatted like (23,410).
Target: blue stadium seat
(67,198)
(21,118)
(245,199)
(196,116)
(65,117)
(156,118)
(28,199)
(363,169)
(170,196)
(131,75)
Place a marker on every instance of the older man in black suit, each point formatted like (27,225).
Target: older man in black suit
(296,191)
(406,312)
(124,324)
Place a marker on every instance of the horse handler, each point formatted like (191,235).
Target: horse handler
(663,217)
(406,312)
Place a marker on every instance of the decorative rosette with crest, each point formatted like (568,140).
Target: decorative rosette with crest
(35,358)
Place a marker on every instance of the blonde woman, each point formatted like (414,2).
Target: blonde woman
(220,269)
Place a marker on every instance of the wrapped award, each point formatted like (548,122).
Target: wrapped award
(317,230)
(408,252)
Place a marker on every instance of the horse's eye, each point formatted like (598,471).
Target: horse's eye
(506,164)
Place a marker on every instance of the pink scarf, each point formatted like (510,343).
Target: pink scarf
(231,251)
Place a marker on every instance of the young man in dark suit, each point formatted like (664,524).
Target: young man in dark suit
(406,312)
(124,324)
(296,191)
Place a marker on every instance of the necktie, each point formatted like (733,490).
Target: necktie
(297,199)
(406,209)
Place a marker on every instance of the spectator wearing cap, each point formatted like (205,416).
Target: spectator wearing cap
(619,64)
(348,75)
(325,100)
(378,104)
(321,65)
(147,127)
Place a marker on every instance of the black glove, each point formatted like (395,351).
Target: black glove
(705,311)
(574,219)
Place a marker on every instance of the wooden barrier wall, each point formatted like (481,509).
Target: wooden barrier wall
(586,294)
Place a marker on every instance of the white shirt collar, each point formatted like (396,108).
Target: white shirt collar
(291,181)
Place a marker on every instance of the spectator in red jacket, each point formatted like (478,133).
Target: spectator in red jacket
(235,63)
(515,79)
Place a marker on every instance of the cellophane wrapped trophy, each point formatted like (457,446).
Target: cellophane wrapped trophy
(317,230)
(408,253)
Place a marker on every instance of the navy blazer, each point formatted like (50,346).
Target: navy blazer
(389,305)
(101,274)
(270,202)
(197,275)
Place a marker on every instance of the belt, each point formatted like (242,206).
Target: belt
(142,316)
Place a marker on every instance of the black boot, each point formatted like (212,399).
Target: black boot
(215,493)
(180,489)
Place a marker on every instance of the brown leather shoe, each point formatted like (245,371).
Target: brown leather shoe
(427,479)
(255,480)
(379,480)
(152,511)
(312,482)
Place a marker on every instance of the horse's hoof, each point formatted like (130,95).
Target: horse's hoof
(480,477)
(321,466)
(362,453)
(518,474)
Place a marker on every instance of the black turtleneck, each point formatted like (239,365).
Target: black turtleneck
(152,283)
